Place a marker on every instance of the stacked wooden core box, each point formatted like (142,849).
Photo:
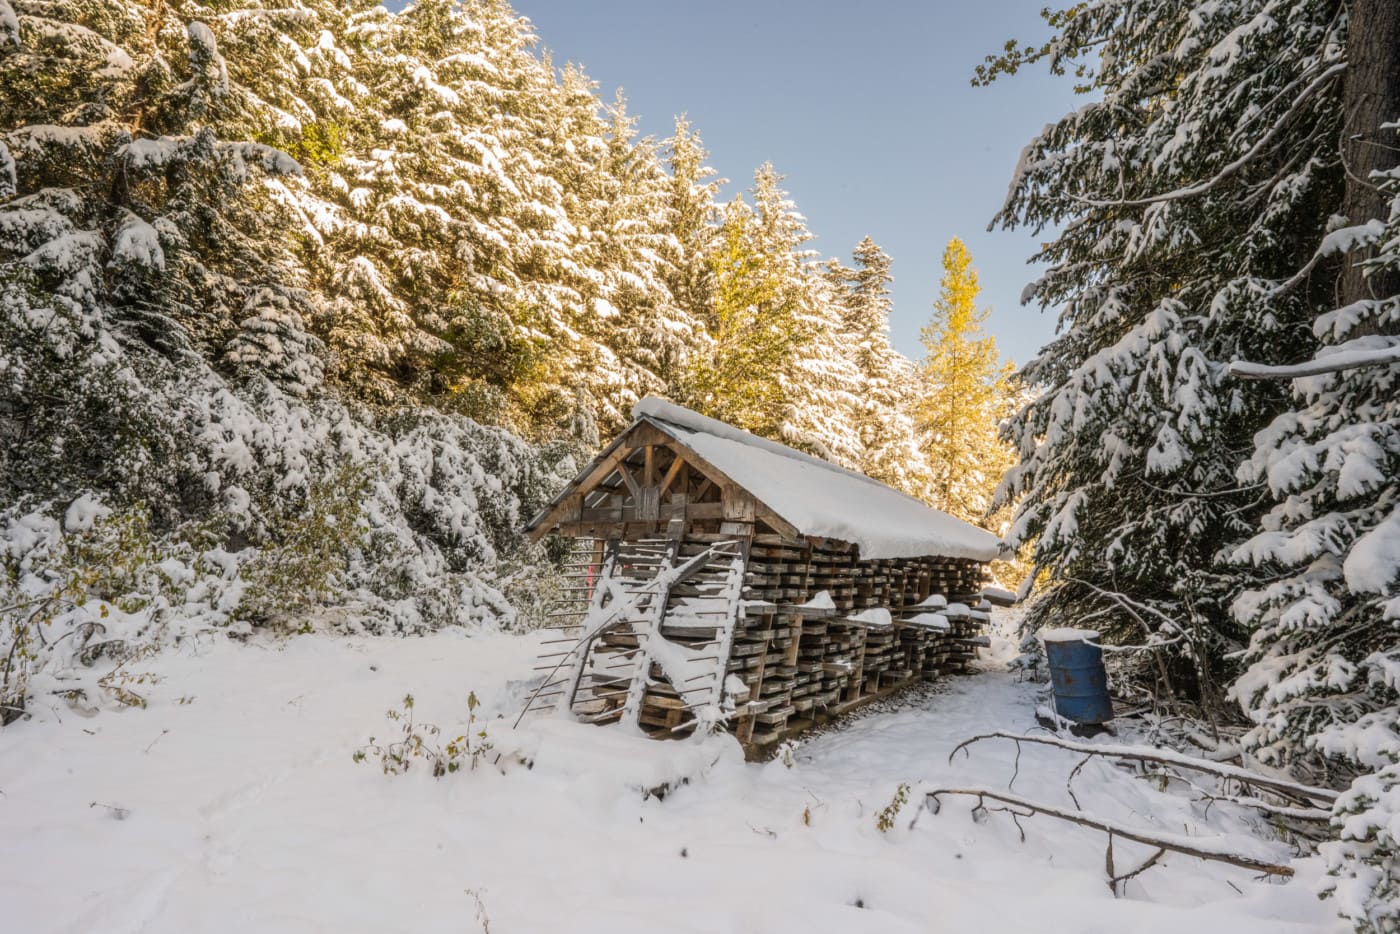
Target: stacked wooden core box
(726,581)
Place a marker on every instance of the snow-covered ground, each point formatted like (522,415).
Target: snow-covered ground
(232,804)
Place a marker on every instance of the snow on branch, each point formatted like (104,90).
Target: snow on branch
(1200,847)
(1332,363)
(1282,787)
(1201,187)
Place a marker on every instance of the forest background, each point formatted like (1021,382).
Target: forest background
(305,308)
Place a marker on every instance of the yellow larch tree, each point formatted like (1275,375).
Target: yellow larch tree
(965,392)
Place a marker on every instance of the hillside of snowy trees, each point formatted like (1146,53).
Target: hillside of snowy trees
(306,308)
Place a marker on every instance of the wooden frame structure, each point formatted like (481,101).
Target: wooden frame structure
(774,627)
(645,480)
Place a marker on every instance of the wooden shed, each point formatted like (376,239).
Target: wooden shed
(727,581)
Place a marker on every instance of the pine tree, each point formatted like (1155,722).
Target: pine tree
(964,393)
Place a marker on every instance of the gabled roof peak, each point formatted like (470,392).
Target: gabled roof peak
(819,498)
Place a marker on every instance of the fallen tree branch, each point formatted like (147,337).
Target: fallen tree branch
(1285,812)
(1117,881)
(1293,791)
(1198,847)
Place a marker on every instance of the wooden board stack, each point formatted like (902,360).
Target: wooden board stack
(795,658)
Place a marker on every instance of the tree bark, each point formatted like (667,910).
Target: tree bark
(1371,98)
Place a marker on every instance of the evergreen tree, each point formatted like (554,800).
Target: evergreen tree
(1197,182)
(164,306)
(1259,178)
(644,336)
(160,241)
(1322,687)
(889,449)
(964,393)
(694,221)
(779,368)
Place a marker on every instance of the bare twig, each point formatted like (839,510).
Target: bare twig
(1069,782)
(118,813)
(1283,812)
(1116,882)
(1287,789)
(156,740)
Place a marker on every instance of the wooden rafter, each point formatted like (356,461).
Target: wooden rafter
(643,439)
(676,465)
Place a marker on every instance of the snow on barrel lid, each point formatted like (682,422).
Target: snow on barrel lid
(819,498)
(1068,635)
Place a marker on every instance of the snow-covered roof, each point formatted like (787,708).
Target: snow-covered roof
(819,498)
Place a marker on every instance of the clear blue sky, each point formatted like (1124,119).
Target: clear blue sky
(866,108)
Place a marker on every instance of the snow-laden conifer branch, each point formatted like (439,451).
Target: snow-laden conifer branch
(1201,187)
(1332,363)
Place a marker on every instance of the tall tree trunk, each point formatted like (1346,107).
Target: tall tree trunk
(1372,97)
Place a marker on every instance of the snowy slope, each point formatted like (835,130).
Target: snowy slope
(242,811)
(818,497)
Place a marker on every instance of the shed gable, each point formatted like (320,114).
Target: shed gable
(643,481)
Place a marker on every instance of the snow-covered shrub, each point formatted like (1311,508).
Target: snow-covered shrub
(305,561)
(84,595)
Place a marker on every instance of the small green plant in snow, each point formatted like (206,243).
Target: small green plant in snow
(419,741)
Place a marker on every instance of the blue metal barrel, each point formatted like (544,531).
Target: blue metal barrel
(1077,675)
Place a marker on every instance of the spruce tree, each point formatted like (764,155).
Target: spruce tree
(158,241)
(889,448)
(1258,175)
(778,368)
(1322,687)
(1322,682)
(1198,179)
(694,221)
(170,337)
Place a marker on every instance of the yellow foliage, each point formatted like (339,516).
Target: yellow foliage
(965,392)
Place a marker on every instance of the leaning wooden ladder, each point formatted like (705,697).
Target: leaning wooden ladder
(624,662)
